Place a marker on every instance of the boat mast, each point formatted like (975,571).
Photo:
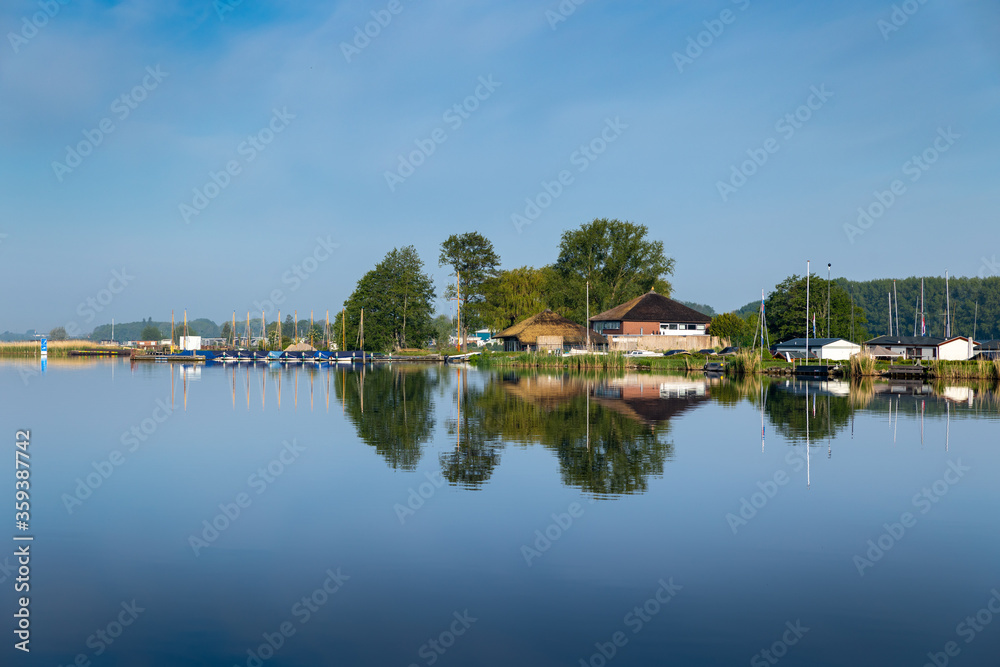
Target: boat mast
(890,313)
(807,310)
(458,310)
(896,297)
(947,307)
(278,329)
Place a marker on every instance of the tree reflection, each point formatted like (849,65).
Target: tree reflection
(392,410)
(606,440)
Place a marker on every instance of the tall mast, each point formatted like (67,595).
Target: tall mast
(343,328)
(295,328)
(896,297)
(890,313)
(171,334)
(923,321)
(828,265)
(263,330)
(278,329)
(232,335)
(326,331)
(458,309)
(947,307)
(587,323)
(807,310)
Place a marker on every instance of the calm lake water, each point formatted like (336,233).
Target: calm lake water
(449,516)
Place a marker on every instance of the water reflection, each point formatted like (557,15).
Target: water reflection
(609,434)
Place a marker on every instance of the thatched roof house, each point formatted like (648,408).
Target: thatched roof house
(300,347)
(651,313)
(548,331)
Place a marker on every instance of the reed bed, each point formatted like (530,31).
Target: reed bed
(979,369)
(745,362)
(612,361)
(862,365)
(33,348)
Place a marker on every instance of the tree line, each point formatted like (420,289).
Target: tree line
(616,258)
(860,310)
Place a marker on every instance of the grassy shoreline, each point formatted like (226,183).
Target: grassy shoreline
(740,364)
(28,349)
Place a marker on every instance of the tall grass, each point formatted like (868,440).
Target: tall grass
(56,348)
(612,361)
(862,365)
(745,362)
(984,369)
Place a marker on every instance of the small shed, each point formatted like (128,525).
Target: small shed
(832,349)
(548,331)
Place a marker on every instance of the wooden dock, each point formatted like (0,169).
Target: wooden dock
(905,372)
(110,352)
(810,369)
(170,358)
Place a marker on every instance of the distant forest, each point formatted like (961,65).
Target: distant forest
(873,297)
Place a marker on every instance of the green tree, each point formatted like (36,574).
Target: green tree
(616,258)
(151,332)
(59,333)
(397,299)
(471,256)
(702,308)
(785,311)
(732,328)
(442,326)
(513,295)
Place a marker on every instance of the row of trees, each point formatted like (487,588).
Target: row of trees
(616,259)
(786,318)
(975,309)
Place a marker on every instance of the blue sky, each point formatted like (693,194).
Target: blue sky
(222,76)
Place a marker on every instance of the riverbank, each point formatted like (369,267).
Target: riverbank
(56,348)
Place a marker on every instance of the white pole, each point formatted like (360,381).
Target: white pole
(807,314)
(947,306)
(828,265)
(897,305)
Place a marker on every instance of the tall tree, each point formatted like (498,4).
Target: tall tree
(397,298)
(511,296)
(785,310)
(616,258)
(151,332)
(471,256)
